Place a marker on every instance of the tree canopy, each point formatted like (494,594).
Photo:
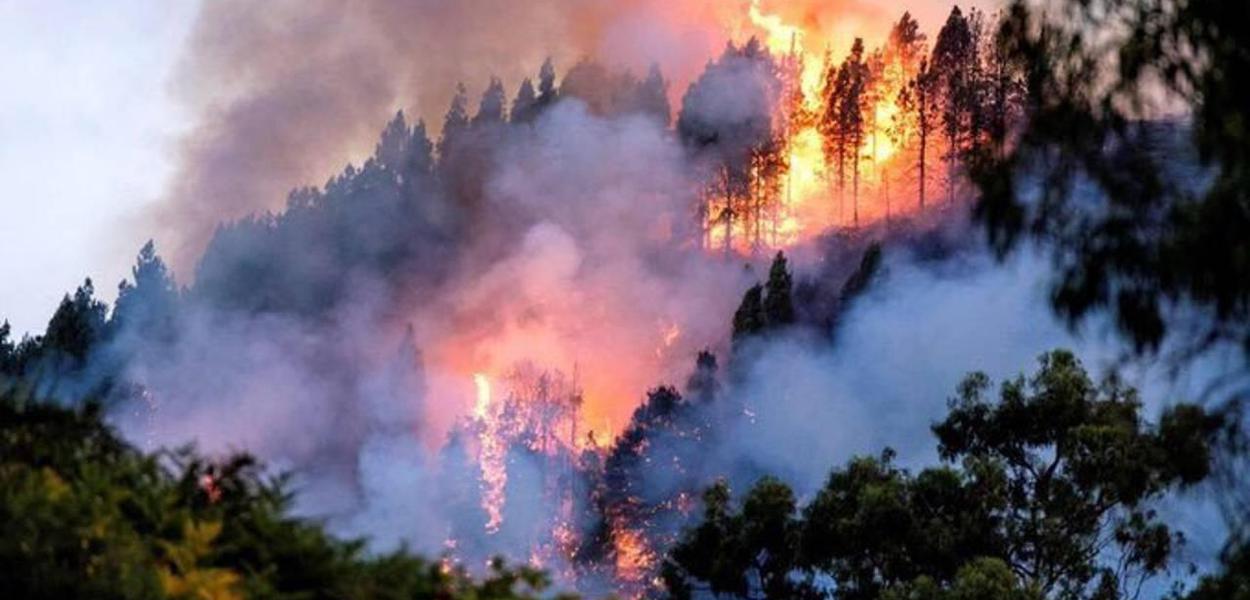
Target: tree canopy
(1048,491)
(83,514)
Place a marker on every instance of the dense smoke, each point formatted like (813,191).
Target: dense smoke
(340,335)
(350,366)
(287,92)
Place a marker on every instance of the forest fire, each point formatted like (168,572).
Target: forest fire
(668,303)
(567,271)
(842,145)
(839,131)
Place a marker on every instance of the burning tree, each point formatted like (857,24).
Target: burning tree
(649,479)
(728,120)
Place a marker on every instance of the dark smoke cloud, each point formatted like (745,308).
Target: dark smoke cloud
(285,92)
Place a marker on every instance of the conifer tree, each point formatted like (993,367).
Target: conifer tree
(854,74)
(653,96)
(391,147)
(919,101)
(491,108)
(547,93)
(77,324)
(779,303)
(418,156)
(951,62)
(1005,86)
(749,319)
(456,121)
(524,103)
(147,307)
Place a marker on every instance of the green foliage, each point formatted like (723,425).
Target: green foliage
(769,307)
(1048,493)
(1231,584)
(734,551)
(147,307)
(1140,223)
(85,515)
(1079,469)
(980,579)
(1147,217)
(869,268)
(778,304)
(749,318)
(76,325)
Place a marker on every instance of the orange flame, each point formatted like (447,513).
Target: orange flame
(807,201)
(491,454)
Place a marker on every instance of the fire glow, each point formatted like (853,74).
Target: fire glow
(811,203)
(542,411)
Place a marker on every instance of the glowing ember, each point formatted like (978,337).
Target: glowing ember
(208,484)
(634,558)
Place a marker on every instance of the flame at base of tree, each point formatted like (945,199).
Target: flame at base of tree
(850,141)
(846,143)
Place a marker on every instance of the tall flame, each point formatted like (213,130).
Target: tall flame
(807,198)
(491,454)
(482,384)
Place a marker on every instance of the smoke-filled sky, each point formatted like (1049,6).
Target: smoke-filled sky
(132,120)
(129,120)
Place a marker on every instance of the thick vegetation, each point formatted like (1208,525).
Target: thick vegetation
(1047,492)
(84,514)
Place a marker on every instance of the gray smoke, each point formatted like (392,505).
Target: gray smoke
(571,244)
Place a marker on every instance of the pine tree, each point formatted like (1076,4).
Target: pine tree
(952,53)
(919,102)
(8,351)
(418,156)
(854,78)
(391,147)
(778,305)
(524,104)
(729,145)
(835,142)
(904,55)
(454,124)
(491,108)
(702,386)
(547,93)
(906,42)
(977,86)
(832,84)
(653,96)
(1005,83)
(749,319)
(146,308)
(77,324)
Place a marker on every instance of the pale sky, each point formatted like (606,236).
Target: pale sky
(87,125)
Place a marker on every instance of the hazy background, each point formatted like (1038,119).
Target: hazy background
(86,126)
